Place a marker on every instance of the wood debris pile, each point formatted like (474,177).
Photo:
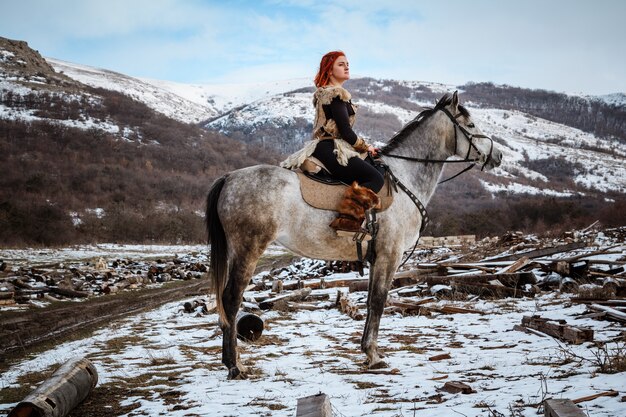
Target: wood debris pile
(588,263)
(59,281)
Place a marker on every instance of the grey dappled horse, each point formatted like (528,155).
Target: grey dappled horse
(249,208)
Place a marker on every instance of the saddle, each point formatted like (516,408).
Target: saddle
(322,191)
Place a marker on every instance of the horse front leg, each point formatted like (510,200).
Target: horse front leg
(381,274)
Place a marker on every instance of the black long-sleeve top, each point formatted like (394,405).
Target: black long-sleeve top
(340,111)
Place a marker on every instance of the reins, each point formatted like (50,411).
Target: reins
(469,136)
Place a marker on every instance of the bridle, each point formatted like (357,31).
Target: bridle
(470,139)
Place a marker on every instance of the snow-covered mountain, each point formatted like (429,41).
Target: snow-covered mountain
(278,115)
(528,142)
(188,103)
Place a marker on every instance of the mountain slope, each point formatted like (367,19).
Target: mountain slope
(158,99)
(81,163)
(592,163)
(90,162)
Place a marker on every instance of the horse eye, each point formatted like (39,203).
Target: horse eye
(471,125)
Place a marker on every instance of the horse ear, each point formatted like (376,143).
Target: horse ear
(455,100)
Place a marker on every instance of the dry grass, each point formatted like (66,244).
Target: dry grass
(26,384)
(118,344)
(366,385)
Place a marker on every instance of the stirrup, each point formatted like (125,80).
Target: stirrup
(359,236)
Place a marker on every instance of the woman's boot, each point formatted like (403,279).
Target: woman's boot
(356,201)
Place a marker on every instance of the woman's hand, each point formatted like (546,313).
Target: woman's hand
(372,150)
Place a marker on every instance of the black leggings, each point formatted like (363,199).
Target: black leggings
(365,174)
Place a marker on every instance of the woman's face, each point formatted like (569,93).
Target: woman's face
(341,70)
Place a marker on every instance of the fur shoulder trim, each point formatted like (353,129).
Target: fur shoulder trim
(326,94)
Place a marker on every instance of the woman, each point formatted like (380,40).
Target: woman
(336,145)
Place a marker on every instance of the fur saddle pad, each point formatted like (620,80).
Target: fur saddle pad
(327,196)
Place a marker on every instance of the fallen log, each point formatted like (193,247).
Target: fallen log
(406,303)
(527,330)
(61,393)
(6,295)
(409,307)
(346,306)
(320,284)
(568,285)
(360,285)
(440,357)
(205,307)
(558,329)
(297,295)
(249,326)
(69,293)
(610,285)
(600,301)
(413,276)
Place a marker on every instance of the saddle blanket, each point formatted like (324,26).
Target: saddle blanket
(328,196)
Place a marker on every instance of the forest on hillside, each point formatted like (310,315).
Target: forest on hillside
(150,185)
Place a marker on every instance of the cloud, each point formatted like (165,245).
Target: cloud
(560,45)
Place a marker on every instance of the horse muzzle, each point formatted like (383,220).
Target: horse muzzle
(492,160)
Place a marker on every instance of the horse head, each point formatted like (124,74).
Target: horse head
(468,141)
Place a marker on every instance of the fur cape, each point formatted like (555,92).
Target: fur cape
(343,150)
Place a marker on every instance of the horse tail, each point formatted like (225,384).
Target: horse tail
(216,237)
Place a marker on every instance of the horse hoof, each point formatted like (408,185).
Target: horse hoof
(236,374)
(378,365)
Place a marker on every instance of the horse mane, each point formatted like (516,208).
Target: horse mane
(408,128)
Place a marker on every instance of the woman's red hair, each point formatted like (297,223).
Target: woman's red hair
(326,66)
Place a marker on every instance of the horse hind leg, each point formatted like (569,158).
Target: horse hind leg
(240,272)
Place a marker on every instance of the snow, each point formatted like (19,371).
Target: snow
(515,188)
(296,105)
(318,351)
(303,353)
(224,97)
(189,103)
(158,99)
(615,99)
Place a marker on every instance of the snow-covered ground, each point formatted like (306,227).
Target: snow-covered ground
(169,361)
(307,352)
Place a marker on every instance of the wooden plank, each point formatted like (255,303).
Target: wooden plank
(488,289)
(562,408)
(558,329)
(515,266)
(314,406)
(541,252)
(610,312)
(516,279)
(594,396)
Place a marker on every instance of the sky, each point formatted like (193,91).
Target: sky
(571,46)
